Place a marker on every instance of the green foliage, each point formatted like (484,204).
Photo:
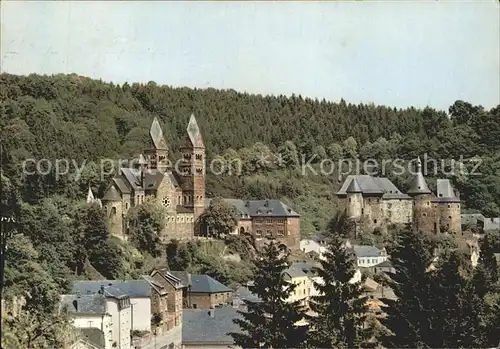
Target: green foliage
(340,306)
(146,222)
(221,217)
(271,323)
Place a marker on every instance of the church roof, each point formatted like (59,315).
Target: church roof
(194,133)
(156,134)
(353,187)
(418,183)
(112,194)
(152,178)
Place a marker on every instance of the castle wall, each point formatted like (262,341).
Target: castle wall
(424,217)
(355,206)
(373,212)
(397,211)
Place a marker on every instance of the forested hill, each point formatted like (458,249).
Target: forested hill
(74,117)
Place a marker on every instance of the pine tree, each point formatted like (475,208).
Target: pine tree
(460,308)
(340,306)
(409,317)
(271,322)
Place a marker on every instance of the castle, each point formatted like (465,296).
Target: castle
(378,203)
(180,189)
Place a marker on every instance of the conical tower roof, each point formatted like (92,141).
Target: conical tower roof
(90,196)
(418,184)
(142,160)
(156,134)
(112,194)
(353,187)
(194,133)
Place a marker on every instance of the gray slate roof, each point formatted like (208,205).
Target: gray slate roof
(198,327)
(353,187)
(207,284)
(370,185)
(131,288)
(156,134)
(260,208)
(384,264)
(445,192)
(112,194)
(298,269)
(366,251)
(182,275)
(418,184)
(84,304)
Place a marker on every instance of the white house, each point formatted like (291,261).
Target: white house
(139,292)
(369,256)
(90,311)
(109,310)
(311,245)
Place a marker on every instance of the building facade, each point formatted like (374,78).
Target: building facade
(180,188)
(375,202)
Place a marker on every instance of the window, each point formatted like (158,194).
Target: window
(198,157)
(258,232)
(349,199)
(362,211)
(424,214)
(374,221)
(195,306)
(166,202)
(449,217)
(449,206)
(113,211)
(126,205)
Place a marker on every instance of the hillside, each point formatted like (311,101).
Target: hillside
(84,120)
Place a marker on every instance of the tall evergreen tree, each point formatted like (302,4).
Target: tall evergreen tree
(340,307)
(409,317)
(272,321)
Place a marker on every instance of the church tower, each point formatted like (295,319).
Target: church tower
(192,168)
(423,213)
(157,156)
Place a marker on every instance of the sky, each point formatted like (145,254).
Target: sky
(398,53)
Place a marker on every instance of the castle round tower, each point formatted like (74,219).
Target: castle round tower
(354,200)
(424,219)
(447,208)
(112,202)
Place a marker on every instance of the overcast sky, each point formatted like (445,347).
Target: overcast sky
(393,53)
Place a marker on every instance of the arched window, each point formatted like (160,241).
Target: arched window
(113,211)
(242,230)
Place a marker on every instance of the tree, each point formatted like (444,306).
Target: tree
(340,306)
(289,154)
(341,225)
(335,151)
(350,147)
(146,223)
(409,317)
(270,322)
(221,217)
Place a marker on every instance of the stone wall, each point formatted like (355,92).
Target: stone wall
(424,218)
(449,217)
(398,211)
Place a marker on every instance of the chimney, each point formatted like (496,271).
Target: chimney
(211,312)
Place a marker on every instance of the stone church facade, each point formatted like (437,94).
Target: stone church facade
(180,189)
(377,203)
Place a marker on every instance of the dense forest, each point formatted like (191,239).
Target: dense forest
(84,120)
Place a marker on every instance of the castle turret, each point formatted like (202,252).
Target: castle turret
(423,213)
(192,168)
(112,201)
(447,206)
(354,199)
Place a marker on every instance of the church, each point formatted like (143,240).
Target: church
(180,189)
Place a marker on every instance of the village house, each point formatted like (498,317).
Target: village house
(139,292)
(204,292)
(109,311)
(369,256)
(174,289)
(89,338)
(313,248)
